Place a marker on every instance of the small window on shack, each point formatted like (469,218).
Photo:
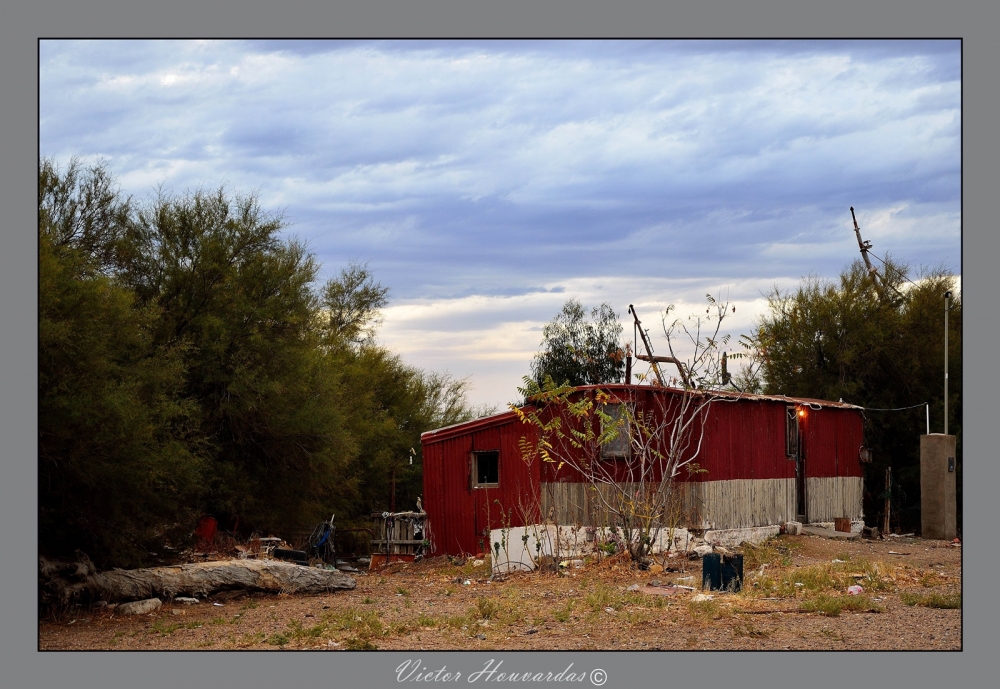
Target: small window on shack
(619,446)
(791,433)
(485,469)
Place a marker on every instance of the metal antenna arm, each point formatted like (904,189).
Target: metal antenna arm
(645,342)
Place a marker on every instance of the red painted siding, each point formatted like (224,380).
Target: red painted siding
(744,439)
(831,442)
(460,517)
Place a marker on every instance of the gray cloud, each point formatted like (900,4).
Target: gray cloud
(496,166)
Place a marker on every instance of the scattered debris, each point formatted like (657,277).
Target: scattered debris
(481,637)
(186,601)
(699,597)
(633,587)
(532,631)
(467,582)
(855,590)
(478,563)
(655,569)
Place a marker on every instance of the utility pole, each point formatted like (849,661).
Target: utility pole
(865,246)
(947,307)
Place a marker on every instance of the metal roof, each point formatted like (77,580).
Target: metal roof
(507,416)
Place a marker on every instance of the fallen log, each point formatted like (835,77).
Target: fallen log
(62,582)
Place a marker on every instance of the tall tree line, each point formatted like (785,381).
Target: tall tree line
(190,363)
(880,348)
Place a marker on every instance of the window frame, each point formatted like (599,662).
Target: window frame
(474,458)
(607,453)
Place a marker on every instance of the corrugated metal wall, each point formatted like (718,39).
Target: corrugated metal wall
(748,479)
(461,517)
(831,441)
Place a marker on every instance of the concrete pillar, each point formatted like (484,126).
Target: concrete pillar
(938,512)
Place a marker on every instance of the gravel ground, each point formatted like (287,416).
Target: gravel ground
(428,606)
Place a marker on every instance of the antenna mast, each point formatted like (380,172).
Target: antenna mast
(645,341)
(656,359)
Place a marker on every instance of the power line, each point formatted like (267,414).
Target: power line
(922,404)
(887,265)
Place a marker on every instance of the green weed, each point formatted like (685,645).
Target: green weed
(297,631)
(364,623)
(832,606)
(356,643)
(708,610)
(945,601)
(563,614)
(488,608)
(746,628)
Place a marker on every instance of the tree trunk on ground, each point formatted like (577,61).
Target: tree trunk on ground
(63,582)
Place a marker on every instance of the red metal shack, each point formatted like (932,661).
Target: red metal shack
(764,460)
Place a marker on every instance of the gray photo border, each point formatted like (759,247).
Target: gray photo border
(974,21)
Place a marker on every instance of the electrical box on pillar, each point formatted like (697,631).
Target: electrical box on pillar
(938,506)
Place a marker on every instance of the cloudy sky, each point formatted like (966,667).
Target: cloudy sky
(487,182)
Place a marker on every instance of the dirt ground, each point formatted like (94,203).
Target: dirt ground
(794,597)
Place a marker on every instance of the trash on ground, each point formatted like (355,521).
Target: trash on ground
(699,597)
(854,590)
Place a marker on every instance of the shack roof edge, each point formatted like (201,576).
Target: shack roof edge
(446,432)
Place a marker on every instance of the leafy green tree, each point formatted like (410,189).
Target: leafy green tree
(120,455)
(846,340)
(187,363)
(352,301)
(237,296)
(577,351)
